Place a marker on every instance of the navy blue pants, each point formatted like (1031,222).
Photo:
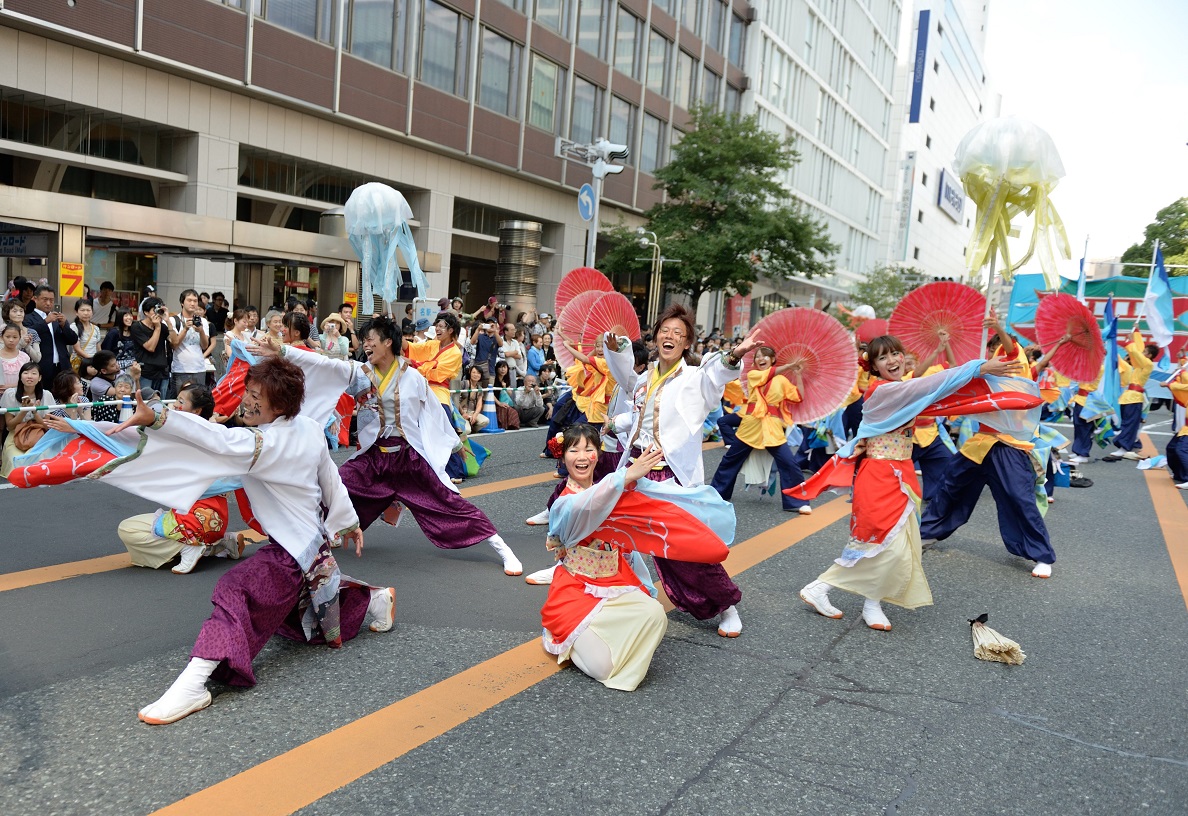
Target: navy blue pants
(1177,458)
(1132,422)
(852,417)
(1082,433)
(728,427)
(1050,476)
(1011,478)
(732,463)
(933,462)
(565,413)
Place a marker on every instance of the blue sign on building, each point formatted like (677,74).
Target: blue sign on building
(920,66)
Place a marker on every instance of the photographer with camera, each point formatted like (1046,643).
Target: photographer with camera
(54,334)
(486,340)
(152,346)
(189,336)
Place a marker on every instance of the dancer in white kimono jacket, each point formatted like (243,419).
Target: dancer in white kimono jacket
(405,442)
(671,401)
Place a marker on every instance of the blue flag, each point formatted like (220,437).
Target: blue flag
(1111,383)
(1158,303)
(1081,281)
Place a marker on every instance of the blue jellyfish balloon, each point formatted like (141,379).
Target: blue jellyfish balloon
(377,225)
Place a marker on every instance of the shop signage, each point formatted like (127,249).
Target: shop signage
(70,280)
(24,245)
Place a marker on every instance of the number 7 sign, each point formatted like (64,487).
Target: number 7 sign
(70,280)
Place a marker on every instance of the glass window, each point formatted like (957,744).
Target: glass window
(689,16)
(311,18)
(593,19)
(545,94)
(733,99)
(586,117)
(554,14)
(499,71)
(666,5)
(652,151)
(738,38)
(659,53)
(685,92)
(628,42)
(715,24)
(709,88)
(378,32)
(518,5)
(622,126)
(445,49)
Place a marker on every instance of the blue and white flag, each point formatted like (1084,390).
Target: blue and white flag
(1081,281)
(1158,303)
(1111,383)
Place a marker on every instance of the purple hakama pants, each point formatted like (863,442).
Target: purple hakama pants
(375,479)
(702,590)
(256,599)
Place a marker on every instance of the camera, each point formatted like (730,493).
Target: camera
(161,310)
(197,321)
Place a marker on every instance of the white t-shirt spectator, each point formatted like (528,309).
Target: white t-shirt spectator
(187,356)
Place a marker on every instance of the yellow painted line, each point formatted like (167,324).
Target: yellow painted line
(60,572)
(1172,514)
(507,484)
(284,784)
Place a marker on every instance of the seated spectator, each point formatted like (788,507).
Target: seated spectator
(505,411)
(27,394)
(529,403)
(99,388)
(68,390)
(469,400)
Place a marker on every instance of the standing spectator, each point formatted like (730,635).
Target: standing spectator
(486,341)
(456,306)
(119,340)
(333,340)
(238,327)
(204,302)
(347,312)
(407,321)
(11,357)
(513,353)
(189,336)
(147,292)
(152,346)
(88,338)
(493,312)
(30,343)
(529,402)
(105,308)
(216,314)
(535,357)
(53,331)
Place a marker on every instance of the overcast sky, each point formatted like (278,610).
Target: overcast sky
(1109,81)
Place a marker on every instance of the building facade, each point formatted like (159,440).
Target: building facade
(824,75)
(206,144)
(942,92)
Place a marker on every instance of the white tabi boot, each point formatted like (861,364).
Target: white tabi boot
(187,694)
(511,564)
(730,624)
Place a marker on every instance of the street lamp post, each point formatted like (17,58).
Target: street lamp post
(658,261)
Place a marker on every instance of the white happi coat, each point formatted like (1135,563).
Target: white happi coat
(688,398)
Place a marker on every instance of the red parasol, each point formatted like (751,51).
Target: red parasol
(1081,357)
(870,329)
(611,312)
(576,281)
(824,349)
(570,323)
(952,307)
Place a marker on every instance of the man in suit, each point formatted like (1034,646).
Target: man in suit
(55,333)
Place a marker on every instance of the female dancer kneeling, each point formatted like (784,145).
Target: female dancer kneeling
(881,561)
(598,613)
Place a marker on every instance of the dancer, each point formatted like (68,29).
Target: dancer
(763,427)
(598,613)
(671,401)
(292,586)
(1133,373)
(1083,429)
(404,441)
(881,560)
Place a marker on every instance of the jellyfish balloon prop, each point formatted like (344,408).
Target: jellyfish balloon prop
(377,225)
(1009,167)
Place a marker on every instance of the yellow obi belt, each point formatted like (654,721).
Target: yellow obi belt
(591,562)
(894,445)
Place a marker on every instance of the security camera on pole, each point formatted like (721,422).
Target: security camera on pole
(598,155)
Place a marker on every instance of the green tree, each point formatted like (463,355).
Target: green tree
(1171,228)
(726,216)
(885,286)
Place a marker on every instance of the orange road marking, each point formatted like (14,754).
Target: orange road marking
(507,484)
(1173,518)
(60,572)
(284,785)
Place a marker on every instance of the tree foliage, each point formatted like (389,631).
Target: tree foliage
(1171,228)
(726,216)
(885,286)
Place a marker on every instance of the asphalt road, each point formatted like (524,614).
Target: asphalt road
(798,715)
